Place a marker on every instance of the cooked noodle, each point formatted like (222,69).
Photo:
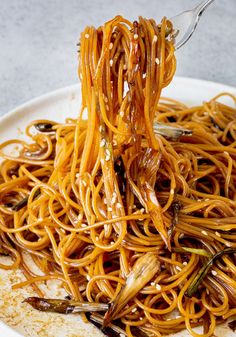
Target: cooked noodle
(92,198)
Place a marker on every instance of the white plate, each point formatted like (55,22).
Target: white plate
(57,106)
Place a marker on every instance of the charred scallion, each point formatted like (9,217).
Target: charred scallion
(24,202)
(64,306)
(204,270)
(44,127)
(143,271)
(170,132)
(176,206)
(191,250)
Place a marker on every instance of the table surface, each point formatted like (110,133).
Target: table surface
(38,39)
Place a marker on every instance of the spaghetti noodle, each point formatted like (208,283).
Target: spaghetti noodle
(118,213)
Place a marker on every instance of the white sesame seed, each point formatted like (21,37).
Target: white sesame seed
(102,161)
(122,335)
(109,209)
(111,62)
(110,45)
(112,243)
(155,38)
(86,36)
(105,99)
(134,309)
(105,201)
(80,216)
(153,284)
(172,192)
(83,225)
(136,36)
(108,157)
(118,205)
(178,268)
(107,152)
(204,232)
(134,206)
(207,291)
(113,200)
(100,128)
(114,216)
(106,227)
(142,210)
(84,183)
(218,234)
(227,153)
(97,238)
(185,263)
(88,277)
(157,60)
(124,66)
(107,107)
(214,273)
(121,113)
(158,287)
(114,142)
(140,318)
(103,142)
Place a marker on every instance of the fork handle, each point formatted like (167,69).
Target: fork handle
(202,6)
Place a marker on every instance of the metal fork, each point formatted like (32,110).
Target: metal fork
(185,23)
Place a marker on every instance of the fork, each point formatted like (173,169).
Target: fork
(186,22)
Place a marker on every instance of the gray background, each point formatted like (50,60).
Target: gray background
(38,41)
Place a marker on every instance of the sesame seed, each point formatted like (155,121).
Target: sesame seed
(204,232)
(103,142)
(110,45)
(218,234)
(107,107)
(100,128)
(107,158)
(112,243)
(84,183)
(140,318)
(86,36)
(118,205)
(153,284)
(114,216)
(109,209)
(114,142)
(157,60)
(88,277)
(80,216)
(134,206)
(158,287)
(214,273)
(207,291)
(125,67)
(105,201)
(227,153)
(106,227)
(105,99)
(97,238)
(172,192)
(83,225)
(142,210)
(155,38)
(102,161)
(134,310)
(111,63)
(185,263)
(178,268)
(121,113)
(136,36)
(122,335)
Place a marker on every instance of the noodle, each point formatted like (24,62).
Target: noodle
(99,200)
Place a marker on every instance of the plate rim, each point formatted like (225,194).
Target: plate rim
(60,92)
